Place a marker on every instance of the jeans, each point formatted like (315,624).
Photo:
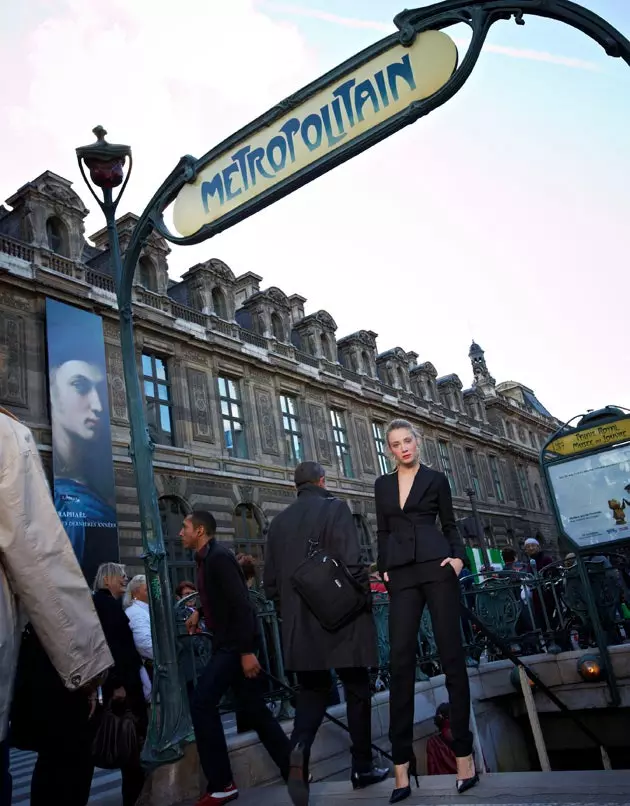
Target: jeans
(222,673)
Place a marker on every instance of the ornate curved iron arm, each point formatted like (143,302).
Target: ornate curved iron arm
(442,15)
(479,15)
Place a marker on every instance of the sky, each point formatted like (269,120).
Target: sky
(498,217)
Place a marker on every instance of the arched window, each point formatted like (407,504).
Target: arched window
(250,530)
(326,352)
(367,364)
(146,274)
(277,327)
(219,304)
(181,563)
(57,236)
(366,539)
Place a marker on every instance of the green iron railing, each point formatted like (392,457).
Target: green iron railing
(505,613)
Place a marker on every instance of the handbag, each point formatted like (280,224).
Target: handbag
(116,740)
(324,583)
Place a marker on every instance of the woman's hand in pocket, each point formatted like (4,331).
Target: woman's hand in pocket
(455,563)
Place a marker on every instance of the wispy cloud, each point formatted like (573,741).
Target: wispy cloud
(388,28)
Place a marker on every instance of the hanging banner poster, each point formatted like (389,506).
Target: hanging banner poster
(83,466)
(593,496)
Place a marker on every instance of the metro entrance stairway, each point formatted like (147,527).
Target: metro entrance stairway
(581,788)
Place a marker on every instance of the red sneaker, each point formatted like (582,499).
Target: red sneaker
(217,798)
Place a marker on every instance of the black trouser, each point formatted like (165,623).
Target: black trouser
(62,777)
(410,588)
(6,782)
(223,672)
(67,779)
(312,699)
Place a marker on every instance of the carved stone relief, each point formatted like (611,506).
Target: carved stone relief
(200,410)
(194,357)
(15,301)
(267,421)
(461,472)
(432,456)
(320,429)
(485,475)
(13,385)
(365,445)
(117,394)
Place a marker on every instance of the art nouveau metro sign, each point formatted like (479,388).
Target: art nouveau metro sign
(361,102)
(287,150)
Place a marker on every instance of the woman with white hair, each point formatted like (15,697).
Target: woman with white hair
(136,604)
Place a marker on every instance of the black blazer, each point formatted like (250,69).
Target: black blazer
(234,621)
(127,661)
(410,535)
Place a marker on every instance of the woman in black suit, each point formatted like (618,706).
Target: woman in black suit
(421,565)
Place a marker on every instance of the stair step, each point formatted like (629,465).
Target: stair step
(579,788)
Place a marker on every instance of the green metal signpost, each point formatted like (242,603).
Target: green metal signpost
(587,471)
(366,99)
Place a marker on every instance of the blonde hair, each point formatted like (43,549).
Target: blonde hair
(400,423)
(107,570)
(135,584)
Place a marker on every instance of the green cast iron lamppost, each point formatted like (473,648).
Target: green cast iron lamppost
(170,727)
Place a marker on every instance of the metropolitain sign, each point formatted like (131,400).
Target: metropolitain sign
(319,127)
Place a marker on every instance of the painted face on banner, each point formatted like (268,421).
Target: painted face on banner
(76,398)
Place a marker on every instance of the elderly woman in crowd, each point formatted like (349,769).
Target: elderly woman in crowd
(136,604)
(123,681)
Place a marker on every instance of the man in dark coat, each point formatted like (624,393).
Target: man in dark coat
(310,650)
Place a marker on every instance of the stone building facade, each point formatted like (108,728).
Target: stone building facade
(252,385)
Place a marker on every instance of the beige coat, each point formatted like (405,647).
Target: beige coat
(40,578)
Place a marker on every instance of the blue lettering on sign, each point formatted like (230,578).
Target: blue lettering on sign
(320,129)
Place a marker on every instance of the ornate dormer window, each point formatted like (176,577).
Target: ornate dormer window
(267,313)
(393,368)
(146,274)
(219,304)
(358,352)
(450,390)
(315,334)
(57,236)
(423,381)
(48,214)
(211,288)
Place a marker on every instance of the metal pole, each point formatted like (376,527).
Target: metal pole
(170,719)
(478,525)
(534,721)
(170,728)
(602,641)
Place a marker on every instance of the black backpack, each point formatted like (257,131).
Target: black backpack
(324,583)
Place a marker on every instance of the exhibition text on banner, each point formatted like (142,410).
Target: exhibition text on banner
(352,105)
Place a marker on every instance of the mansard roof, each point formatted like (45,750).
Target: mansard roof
(451,379)
(365,337)
(323,318)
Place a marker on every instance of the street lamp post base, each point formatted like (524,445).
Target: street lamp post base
(177,783)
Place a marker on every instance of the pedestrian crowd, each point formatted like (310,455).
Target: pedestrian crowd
(76,662)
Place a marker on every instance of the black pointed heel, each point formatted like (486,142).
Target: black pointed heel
(464,784)
(404,792)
